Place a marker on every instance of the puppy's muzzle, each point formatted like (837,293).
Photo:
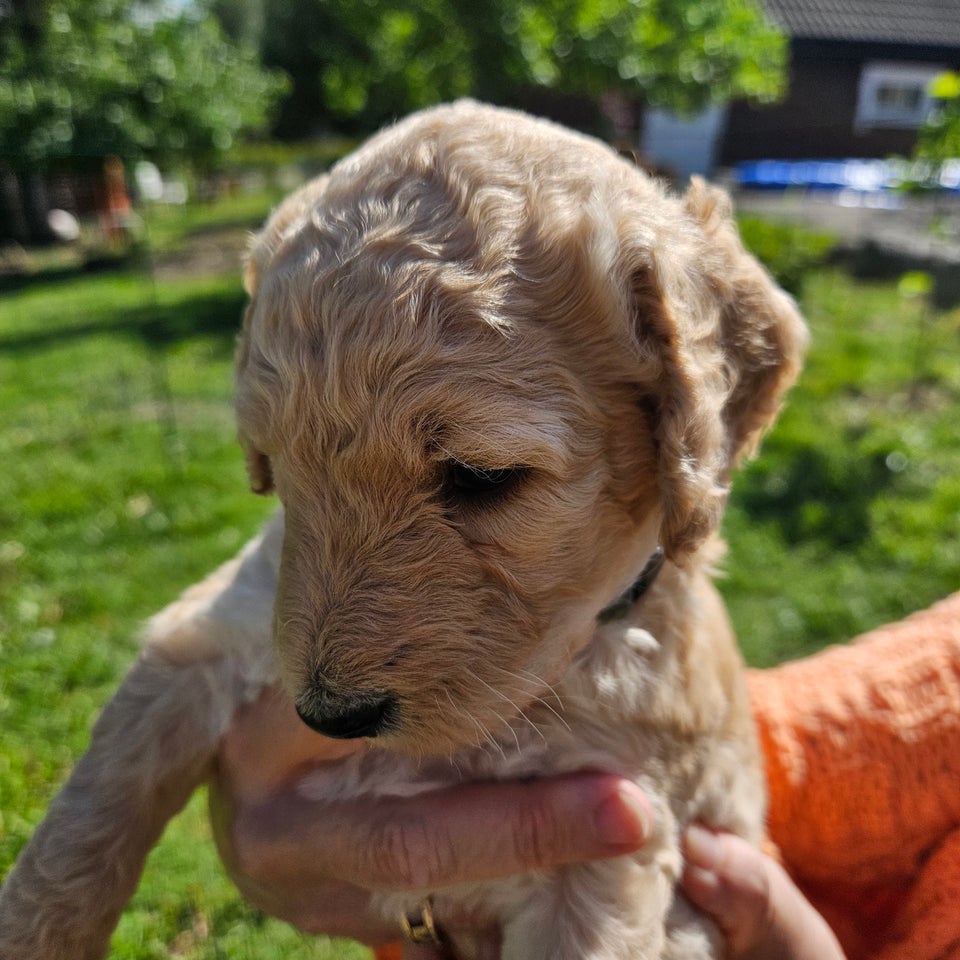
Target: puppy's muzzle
(346,716)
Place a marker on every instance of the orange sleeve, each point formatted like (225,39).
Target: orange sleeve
(862,745)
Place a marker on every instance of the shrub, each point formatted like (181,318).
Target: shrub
(788,251)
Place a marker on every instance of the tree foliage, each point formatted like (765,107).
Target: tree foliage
(86,78)
(939,137)
(366,62)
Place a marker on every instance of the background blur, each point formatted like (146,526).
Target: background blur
(141,142)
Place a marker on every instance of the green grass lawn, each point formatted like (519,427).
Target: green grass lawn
(122,483)
(850,516)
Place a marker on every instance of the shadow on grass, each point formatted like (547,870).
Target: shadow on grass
(116,263)
(816,495)
(216,314)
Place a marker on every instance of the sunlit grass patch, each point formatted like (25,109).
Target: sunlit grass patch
(851,514)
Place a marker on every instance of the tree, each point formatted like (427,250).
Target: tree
(939,138)
(366,63)
(81,79)
(242,20)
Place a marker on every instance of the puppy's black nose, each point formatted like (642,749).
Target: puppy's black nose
(348,718)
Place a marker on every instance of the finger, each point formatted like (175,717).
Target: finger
(485,831)
(487,948)
(267,745)
(412,952)
(728,882)
(463,834)
(759,909)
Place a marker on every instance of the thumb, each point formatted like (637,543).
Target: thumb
(762,914)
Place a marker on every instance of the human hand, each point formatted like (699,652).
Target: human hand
(755,903)
(316,864)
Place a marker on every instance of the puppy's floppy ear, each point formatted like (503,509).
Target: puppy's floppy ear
(724,343)
(283,221)
(762,335)
(259,470)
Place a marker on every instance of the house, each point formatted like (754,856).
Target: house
(857,87)
(858,79)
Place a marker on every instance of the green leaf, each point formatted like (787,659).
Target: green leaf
(945,86)
(914,284)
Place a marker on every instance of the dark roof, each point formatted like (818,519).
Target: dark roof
(932,22)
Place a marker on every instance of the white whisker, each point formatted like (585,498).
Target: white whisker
(519,711)
(543,686)
(484,733)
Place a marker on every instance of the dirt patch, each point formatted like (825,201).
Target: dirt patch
(213,252)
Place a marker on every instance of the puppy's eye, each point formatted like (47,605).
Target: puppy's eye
(474,482)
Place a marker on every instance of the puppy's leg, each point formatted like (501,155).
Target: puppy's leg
(152,745)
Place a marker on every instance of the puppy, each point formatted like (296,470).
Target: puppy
(499,381)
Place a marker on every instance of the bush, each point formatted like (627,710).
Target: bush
(270,156)
(788,251)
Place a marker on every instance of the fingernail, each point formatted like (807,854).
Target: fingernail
(624,819)
(702,848)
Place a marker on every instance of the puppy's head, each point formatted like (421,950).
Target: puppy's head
(488,367)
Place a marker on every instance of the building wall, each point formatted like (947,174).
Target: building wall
(818,118)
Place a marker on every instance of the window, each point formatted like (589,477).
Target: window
(894,94)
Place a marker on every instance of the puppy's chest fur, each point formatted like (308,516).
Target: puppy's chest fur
(633,703)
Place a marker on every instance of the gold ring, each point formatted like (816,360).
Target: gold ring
(420,929)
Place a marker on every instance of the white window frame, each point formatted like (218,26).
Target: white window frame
(872,114)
